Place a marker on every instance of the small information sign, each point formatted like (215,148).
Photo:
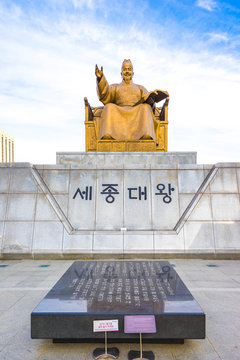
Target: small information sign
(139,324)
(105,325)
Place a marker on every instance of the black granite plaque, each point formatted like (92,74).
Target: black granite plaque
(97,290)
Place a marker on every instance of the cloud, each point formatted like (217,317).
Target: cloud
(218,37)
(91,4)
(209,5)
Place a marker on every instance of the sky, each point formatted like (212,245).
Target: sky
(48,52)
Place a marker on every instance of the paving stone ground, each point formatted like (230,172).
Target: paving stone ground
(23,284)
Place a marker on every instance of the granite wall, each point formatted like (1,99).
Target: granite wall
(61,210)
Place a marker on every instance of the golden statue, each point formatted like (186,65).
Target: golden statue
(129,115)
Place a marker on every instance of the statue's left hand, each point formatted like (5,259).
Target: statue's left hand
(99,73)
(150,101)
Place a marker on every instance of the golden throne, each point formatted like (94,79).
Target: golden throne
(93,144)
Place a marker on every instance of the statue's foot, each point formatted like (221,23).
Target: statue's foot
(106,137)
(146,137)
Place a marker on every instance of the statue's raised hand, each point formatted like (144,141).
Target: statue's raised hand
(99,73)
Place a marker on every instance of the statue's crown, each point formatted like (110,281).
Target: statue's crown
(127,61)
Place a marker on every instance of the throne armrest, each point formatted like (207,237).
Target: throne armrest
(164,111)
(88,111)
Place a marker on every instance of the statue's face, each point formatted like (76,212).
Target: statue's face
(127,72)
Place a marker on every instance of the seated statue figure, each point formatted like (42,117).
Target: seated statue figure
(128,111)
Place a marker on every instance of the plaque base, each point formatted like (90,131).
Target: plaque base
(100,353)
(135,355)
(98,290)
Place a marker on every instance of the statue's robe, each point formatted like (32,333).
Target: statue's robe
(121,118)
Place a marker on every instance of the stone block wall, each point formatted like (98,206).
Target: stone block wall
(40,218)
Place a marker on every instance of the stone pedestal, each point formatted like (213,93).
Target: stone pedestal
(120,205)
(125,159)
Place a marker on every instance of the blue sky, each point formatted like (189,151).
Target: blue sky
(189,48)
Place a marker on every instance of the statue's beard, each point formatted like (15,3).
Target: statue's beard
(127,78)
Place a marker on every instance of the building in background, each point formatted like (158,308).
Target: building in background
(6,147)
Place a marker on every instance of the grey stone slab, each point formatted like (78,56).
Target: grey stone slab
(190,167)
(190,180)
(48,236)
(6,332)
(84,167)
(193,274)
(227,164)
(211,274)
(56,167)
(184,202)
(21,207)
(9,299)
(227,235)
(225,207)
(91,159)
(198,236)
(223,335)
(164,166)
(193,350)
(169,243)
(22,181)
(227,317)
(18,237)
(44,210)
(30,282)
(225,181)
(210,285)
(1,234)
(108,243)
(137,207)
(77,243)
(208,166)
(165,205)
(18,165)
(23,337)
(39,167)
(238,177)
(229,300)
(4,179)
(236,278)
(132,159)
(82,199)
(62,201)
(203,209)
(228,352)
(113,160)
(69,351)
(83,158)
(57,180)
(109,206)
(13,320)
(21,308)
(138,243)
(20,352)
(9,283)
(144,166)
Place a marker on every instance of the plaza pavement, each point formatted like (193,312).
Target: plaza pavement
(217,289)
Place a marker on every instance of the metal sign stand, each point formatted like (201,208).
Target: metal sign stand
(140,355)
(105,353)
(142,324)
